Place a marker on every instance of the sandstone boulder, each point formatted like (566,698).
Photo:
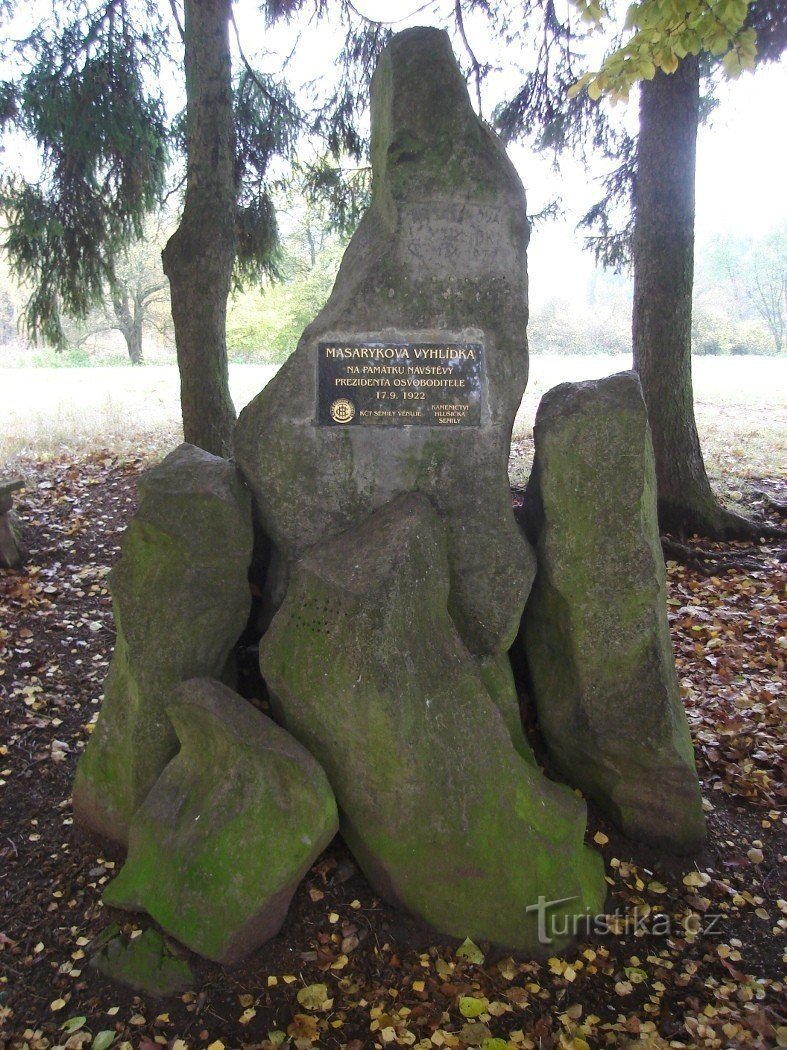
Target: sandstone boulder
(367,670)
(229,829)
(146,963)
(439,259)
(595,628)
(180,600)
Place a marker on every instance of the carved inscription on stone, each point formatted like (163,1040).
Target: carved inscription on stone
(399,384)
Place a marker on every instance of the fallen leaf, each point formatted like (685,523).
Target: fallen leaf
(470,951)
(73,1024)
(314,997)
(469,1006)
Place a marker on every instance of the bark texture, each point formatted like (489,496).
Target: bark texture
(129,318)
(199,257)
(663,281)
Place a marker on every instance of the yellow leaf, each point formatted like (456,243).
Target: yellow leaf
(303,1027)
(313,997)
(471,952)
(696,879)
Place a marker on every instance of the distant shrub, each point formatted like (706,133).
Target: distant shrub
(71,357)
(714,333)
(265,324)
(561,328)
(752,337)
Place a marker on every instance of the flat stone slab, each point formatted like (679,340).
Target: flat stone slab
(595,628)
(180,600)
(366,668)
(410,377)
(145,963)
(229,829)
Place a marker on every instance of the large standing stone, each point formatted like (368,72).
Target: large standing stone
(595,627)
(180,601)
(367,670)
(440,258)
(228,830)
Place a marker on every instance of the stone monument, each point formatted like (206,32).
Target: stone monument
(376,460)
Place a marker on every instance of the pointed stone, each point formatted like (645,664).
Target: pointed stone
(229,829)
(439,258)
(365,667)
(180,600)
(595,628)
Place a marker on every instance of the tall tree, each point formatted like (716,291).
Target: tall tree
(663,257)
(138,300)
(200,255)
(662,53)
(86,89)
(82,92)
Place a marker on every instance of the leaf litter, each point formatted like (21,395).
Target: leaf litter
(693,954)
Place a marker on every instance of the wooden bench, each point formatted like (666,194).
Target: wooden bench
(10,543)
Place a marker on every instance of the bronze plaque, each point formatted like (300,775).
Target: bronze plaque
(399,384)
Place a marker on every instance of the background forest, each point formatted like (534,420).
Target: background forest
(740,305)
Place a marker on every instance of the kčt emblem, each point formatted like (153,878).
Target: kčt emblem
(342,410)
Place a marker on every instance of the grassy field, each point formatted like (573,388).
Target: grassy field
(741,407)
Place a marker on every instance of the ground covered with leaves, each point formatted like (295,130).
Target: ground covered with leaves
(691,953)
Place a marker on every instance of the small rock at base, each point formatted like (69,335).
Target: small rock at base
(228,830)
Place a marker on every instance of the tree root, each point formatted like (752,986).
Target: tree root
(715,522)
(780,506)
(708,563)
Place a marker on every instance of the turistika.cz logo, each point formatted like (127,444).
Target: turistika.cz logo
(634,923)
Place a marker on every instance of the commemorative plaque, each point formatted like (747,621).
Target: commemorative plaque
(399,384)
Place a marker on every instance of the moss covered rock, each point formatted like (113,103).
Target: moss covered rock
(439,257)
(367,670)
(596,633)
(180,599)
(498,678)
(229,829)
(145,963)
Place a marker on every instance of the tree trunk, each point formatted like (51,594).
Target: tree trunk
(128,324)
(135,345)
(663,254)
(199,257)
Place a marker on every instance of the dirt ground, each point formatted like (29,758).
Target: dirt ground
(694,951)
